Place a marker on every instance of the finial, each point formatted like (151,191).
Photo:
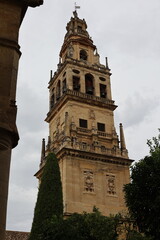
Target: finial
(43,150)
(75,14)
(122,139)
(107,63)
(51,75)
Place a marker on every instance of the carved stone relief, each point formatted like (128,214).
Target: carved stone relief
(111,185)
(70,51)
(92,114)
(88,181)
(57,122)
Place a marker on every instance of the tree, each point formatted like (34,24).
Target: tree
(142,195)
(49,201)
(86,226)
(154,144)
(134,235)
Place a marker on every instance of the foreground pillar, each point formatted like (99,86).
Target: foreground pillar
(12,13)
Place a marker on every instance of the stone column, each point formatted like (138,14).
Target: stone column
(5,155)
(11,16)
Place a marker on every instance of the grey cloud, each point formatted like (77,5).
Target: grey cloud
(21,207)
(127,32)
(137,108)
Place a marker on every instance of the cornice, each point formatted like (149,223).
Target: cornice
(71,95)
(94,157)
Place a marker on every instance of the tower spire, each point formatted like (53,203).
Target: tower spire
(122,139)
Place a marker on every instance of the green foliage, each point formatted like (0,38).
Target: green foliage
(154,144)
(134,235)
(86,226)
(49,201)
(143,193)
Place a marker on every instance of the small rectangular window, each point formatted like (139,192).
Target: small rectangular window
(83,123)
(101,127)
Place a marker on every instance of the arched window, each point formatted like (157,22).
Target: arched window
(103,93)
(89,84)
(76,83)
(83,55)
(79,29)
(58,90)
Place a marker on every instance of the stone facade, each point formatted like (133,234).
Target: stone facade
(93,160)
(14,235)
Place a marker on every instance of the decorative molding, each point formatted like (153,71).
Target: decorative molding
(111,184)
(83,98)
(70,51)
(88,181)
(118,160)
(92,114)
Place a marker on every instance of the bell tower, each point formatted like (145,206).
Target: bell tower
(93,161)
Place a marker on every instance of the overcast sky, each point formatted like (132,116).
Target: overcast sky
(125,31)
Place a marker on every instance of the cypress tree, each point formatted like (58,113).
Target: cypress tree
(49,201)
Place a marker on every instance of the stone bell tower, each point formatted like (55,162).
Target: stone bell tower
(93,161)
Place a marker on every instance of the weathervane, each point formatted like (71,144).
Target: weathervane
(76,7)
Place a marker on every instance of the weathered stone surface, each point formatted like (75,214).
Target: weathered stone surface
(14,235)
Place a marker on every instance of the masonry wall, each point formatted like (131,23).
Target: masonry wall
(14,235)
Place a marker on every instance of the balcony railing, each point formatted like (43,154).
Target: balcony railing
(82,96)
(91,97)
(104,134)
(84,130)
